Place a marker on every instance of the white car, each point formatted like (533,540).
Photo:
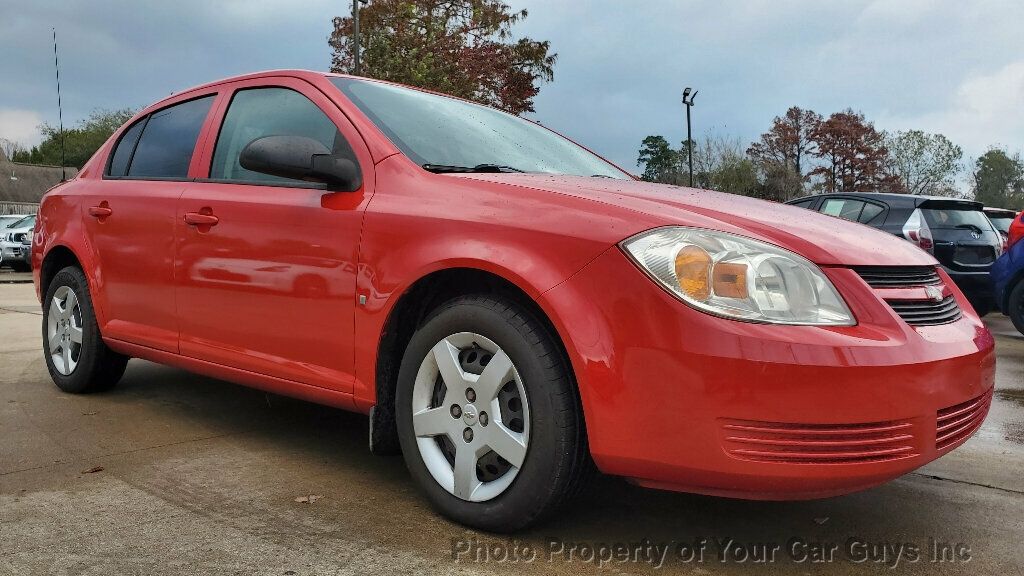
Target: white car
(13,250)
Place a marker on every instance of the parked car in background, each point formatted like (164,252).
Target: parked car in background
(8,219)
(1001,219)
(509,309)
(956,232)
(1008,274)
(12,249)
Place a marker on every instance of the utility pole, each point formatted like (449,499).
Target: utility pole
(355,37)
(688,101)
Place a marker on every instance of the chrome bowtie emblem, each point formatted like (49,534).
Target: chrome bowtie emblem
(934,293)
(975,234)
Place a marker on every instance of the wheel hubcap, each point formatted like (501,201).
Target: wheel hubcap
(64,330)
(470,416)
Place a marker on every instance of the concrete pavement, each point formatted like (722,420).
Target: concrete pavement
(172,473)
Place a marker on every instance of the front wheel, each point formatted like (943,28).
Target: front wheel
(488,417)
(76,356)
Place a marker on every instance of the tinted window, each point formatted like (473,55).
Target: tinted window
(125,148)
(954,218)
(803,203)
(263,112)
(842,207)
(443,131)
(871,214)
(1002,223)
(168,139)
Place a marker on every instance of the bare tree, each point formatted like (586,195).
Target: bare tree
(10,148)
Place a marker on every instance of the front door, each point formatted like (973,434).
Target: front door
(266,266)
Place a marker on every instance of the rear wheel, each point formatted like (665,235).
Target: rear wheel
(1016,308)
(487,415)
(21,266)
(76,356)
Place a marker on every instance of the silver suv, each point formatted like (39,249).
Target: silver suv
(14,251)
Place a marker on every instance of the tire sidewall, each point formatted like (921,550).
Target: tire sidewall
(1015,308)
(527,495)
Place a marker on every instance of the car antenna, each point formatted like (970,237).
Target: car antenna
(60,111)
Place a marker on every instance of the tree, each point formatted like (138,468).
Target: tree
(788,143)
(854,153)
(81,141)
(925,163)
(719,164)
(999,179)
(9,148)
(660,162)
(458,47)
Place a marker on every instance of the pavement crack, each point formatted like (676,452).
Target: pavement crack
(968,483)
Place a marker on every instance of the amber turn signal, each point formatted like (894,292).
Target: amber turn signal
(729,280)
(693,266)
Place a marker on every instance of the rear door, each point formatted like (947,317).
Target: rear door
(268,284)
(129,217)
(965,240)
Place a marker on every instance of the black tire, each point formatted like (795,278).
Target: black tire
(1015,309)
(19,266)
(99,368)
(557,461)
(982,306)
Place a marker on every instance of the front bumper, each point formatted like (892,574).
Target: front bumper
(1006,272)
(675,398)
(14,252)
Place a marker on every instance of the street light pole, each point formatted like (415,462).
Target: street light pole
(357,69)
(688,101)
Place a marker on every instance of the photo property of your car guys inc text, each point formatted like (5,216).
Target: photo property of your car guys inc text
(511,287)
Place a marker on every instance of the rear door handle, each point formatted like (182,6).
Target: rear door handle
(100,211)
(199,219)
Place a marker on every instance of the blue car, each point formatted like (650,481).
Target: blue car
(1008,275)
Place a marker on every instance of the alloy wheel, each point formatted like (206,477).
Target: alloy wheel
(470,416)
(64,330)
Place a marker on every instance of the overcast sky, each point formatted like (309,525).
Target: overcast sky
(950,67)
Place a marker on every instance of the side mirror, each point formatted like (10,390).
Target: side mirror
(300,158)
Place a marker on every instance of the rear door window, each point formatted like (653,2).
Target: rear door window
(846,208)
(168,140)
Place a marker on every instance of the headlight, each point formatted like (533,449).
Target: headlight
(737,277)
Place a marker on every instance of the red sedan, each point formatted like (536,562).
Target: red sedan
(510,309)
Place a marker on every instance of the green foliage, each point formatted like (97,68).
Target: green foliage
(458,47)
(925,163)
(999,180)
(660,162)
(81,141)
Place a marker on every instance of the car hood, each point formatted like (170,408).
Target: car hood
(824,240)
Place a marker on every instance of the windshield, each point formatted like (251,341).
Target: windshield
(445,134)
(1002,223)
(26,222)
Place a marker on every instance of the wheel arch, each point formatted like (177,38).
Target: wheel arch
(57,258)
(413,306)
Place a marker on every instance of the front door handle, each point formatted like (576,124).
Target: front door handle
(200,219)
(100,211)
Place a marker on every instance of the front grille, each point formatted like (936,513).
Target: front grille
(818,443)
(926,312)
(898,276)
(955,424)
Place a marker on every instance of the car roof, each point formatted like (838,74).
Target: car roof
(892,199)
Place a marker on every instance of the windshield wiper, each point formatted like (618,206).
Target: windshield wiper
(444,168)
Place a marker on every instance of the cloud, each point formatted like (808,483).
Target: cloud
(984,110)
(20,126)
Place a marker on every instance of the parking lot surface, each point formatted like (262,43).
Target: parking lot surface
(173,473)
